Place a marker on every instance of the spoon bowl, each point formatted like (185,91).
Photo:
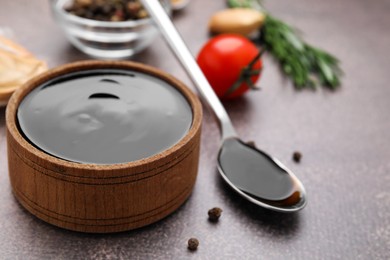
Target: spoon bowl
(250,172)
(259,178)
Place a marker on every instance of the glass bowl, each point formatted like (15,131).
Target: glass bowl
(105,40)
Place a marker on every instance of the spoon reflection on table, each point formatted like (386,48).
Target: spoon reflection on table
(252,173)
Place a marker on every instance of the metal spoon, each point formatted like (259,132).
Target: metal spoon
(252,173)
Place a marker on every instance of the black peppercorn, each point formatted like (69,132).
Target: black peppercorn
(252,144)
(108,10)
(214,214)
(297,156)
(193,244)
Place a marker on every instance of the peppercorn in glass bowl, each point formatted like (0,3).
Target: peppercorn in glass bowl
(105,30)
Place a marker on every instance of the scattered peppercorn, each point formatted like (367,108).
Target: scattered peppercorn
(252,144)
(193,244)
(108,10)
(297,156)
(214,214)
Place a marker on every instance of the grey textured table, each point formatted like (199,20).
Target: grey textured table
(344,137)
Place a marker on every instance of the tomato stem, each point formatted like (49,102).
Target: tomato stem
(254,72)
(245,75)
(252,63)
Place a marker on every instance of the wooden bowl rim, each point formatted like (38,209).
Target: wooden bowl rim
(18,96)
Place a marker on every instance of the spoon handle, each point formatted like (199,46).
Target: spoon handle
(179,48)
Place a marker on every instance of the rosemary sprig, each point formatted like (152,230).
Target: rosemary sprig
(306,65)
(246,4)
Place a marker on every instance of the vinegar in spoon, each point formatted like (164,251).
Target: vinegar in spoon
(257,175)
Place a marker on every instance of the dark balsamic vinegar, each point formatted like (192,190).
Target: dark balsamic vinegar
(257,175)
(104,116)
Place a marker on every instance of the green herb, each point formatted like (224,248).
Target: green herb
(254,4)
(306,65)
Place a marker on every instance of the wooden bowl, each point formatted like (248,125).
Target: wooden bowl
(102,198)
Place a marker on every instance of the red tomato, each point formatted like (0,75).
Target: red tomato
(222,60)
